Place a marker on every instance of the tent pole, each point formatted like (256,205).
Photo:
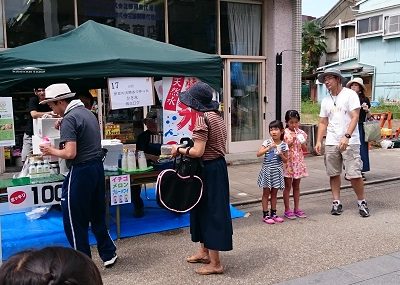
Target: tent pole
(100,111)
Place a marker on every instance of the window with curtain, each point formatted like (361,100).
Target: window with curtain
(192,24)
(392,24)
(143,18)
(240,29)
(29,21)
(369,25)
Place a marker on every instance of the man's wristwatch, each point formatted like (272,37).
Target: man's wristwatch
(347,136)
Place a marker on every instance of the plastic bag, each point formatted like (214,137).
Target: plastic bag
(37,213)
(372,131)
(386,144)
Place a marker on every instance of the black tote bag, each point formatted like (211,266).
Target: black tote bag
(180,189)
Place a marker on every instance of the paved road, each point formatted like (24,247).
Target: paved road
(269,254)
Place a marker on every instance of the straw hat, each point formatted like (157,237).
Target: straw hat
(199,97)
(357,80)
(56,92)
(330,71)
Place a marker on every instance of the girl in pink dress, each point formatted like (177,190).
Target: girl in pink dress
(295,168)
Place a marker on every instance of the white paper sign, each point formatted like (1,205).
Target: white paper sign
(7,135)
(27,196)
(178,119)
(120,189)
(130,92)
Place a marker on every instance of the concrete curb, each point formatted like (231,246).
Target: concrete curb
(316,191)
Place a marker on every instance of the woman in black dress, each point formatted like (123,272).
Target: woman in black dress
(210,220)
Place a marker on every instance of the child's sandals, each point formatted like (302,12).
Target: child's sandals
(289,215)
(268,220)
(300,214)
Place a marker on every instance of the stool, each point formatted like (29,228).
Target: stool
(386,133)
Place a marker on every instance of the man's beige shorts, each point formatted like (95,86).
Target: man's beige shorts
(350,159)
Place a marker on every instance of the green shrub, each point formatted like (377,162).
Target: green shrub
(310,111)
(394,108)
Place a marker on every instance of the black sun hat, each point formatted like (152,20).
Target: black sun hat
(199,97)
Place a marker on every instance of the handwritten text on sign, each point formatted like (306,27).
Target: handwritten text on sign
(27,196)
(130,92)
(120,189)
(112,129)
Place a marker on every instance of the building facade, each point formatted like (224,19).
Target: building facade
(247,34)
(378,34)
(377,56)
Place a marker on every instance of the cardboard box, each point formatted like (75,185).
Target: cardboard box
(44,127)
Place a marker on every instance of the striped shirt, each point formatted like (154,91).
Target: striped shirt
(213,133)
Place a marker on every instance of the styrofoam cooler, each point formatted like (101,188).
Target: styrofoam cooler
(114,149)
(45,127)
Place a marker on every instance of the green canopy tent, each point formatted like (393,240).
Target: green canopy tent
(87,55)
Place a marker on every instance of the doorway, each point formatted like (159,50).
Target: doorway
(244,87)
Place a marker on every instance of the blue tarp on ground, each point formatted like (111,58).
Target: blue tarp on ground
(18,233)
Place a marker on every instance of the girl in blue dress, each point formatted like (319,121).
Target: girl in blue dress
(271,177)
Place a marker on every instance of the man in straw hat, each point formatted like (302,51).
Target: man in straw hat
(338,120)
(83,188)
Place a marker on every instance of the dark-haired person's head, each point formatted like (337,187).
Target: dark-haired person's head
(50,265)
(40,92)
(276,124)
(292,114)
(292,119)
(86,97)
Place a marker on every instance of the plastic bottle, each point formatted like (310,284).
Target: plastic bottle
(33,173)
(46,167)
(39,168)
(124,162)
(142,160)
(131,160)
(32,169)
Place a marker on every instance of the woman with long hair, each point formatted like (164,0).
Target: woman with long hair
(357,85)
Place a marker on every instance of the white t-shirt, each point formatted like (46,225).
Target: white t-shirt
(337,109)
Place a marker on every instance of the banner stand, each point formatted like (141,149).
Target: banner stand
(2,160)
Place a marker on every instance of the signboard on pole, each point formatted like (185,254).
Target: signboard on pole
(178,119)
(7,136)
(120,189)
(130,92)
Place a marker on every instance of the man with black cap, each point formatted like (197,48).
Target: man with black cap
(83,192)
(339,121)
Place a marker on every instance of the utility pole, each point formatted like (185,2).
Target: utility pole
(278,107)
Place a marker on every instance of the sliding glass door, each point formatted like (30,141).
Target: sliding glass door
(245,108)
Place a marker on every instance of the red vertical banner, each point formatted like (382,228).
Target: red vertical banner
(178,119)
